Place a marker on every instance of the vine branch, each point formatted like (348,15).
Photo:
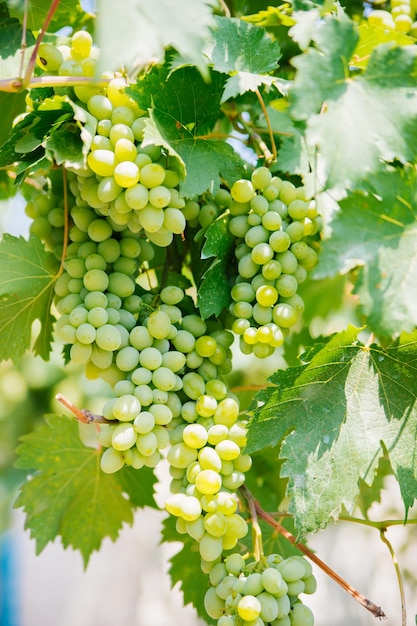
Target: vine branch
(363,601)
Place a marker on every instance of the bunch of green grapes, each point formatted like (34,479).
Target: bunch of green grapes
(130,183)
(169,361)
(207,467)
(260,593)
(164,363)
(401,16)
(48,218)
(271,220)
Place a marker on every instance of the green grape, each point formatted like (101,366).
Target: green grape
(111,461)
(193,385)
(126,173)
(127,359)
(195,435)
(210,547)
(249,607)
(152,175)
(261,177)
(147,444)
(292,569)
(85,333)
(108,337)
(269,606)
(102,162)
(208,482)
(180,455)
(301,615)
(120,284)
(273,582)
(163,378)
(123,437)
(284,605)
(213,605)
(150,358)
(242,191)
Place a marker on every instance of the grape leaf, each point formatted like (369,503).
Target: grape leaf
(337,414)
(184,109)
(244,51)
(11,42)
(378,231)
(214,292)
(153,26)
(26,291)
(64,13)
(381,102)
(321,70)
(69,495)
(185,569)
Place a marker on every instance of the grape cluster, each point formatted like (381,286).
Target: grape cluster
(401,17)
(127,182)
(270,219)
(164,363)
(260,593)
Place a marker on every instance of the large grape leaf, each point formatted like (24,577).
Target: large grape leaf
(184,109)
(138,34)
(214,292)
(68,495)
(346,113)
(26,291)
(337,414)
(185,569)
(377,230)
(244,51)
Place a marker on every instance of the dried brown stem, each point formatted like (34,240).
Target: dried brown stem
(367,604)
(82,415)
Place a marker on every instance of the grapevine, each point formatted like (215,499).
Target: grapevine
(162,256)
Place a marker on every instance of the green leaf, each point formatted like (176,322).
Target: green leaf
(337,414)
(26,292)
(138,485)
(185,569)
(354,110)
(245,52)
(69,495)
(184,109)
(11,42)
(214,292)
(323,69)
(152,27)
(64,13)
(377,230)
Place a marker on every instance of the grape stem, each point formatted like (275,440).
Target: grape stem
(268,123)
(367,604)
(82,415)
(385,540)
